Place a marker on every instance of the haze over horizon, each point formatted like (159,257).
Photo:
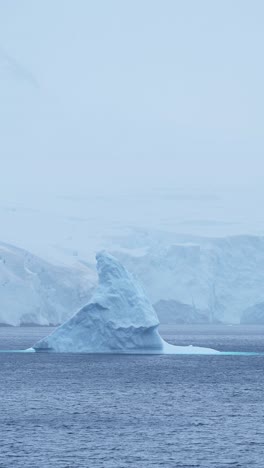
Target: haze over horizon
(142,114)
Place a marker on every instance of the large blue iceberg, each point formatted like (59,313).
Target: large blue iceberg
(118,319)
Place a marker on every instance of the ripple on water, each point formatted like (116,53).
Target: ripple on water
(132,411)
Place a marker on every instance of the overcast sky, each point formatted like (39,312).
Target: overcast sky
(102,95)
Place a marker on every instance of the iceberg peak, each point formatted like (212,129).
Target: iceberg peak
(108,267)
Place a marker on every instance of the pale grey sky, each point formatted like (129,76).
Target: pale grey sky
(131,93)
(135,113)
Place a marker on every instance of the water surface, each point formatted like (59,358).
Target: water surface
(134,411)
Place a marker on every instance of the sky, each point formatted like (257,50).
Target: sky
(138,97)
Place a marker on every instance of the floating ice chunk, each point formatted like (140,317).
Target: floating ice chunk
(118,319)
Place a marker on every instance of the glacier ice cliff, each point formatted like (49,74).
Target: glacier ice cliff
(218,277)
(34,291)
(118,319)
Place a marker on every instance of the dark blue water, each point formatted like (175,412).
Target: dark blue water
(134,411)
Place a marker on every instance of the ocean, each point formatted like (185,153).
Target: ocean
(65,410)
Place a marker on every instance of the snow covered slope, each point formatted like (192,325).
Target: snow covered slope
(118,319)
(35,291)
(220,277)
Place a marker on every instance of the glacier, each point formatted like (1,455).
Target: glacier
(219,278)
(187,279)
(34,291)
(119,318)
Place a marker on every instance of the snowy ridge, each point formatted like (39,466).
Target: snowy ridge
(219,277)
(189,281)
(118,319)
(33,291)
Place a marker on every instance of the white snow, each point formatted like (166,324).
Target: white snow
(220,277)
(118,319)
(35,291)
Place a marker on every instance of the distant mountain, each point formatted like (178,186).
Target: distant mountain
(33,291)
(219,276)
(253,314)
(172,311)
(196,280)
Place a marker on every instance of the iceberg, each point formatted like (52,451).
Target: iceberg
(118,319)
